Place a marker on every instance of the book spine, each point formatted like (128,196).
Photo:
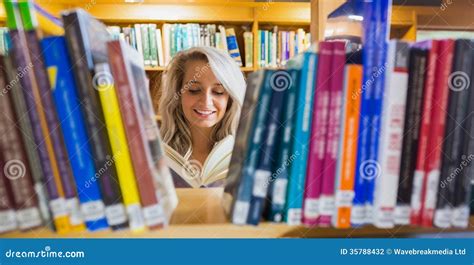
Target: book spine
(279,82)
(348,144)
(242,204)
(23,63)
(233,46)
(453,160)
(15,166)
(135,133)
(327,203)
(234,178)
(463,186)
(19,105)
(8,218)
(76,138)
(166,191)
(248,41)
(437,130)
(297,172)
(105,162)
(419,174)
(145,44)
(414,103)
(159,47)
(382,8)
(279,179)
(365,168)
(391,133)
(166,44)
(153,44)
(317,145)
(261,50)
(139,40)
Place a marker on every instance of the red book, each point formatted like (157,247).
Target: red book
(119,56)
(327,200)
(317,145)
(436,133)
(425,127)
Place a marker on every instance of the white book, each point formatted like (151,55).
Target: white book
(159,47)
(223,37)
(391,135)
(138,38)
(166,44)
(274,50)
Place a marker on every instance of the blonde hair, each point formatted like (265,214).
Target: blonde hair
(174,127)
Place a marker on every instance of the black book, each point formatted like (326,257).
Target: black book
(416,80)
(82,31)
(462,188)
(453,158)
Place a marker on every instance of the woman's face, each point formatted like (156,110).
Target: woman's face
(204,99)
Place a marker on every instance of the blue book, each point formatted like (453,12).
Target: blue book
(279,178)
(74,133)
(381,43)
(244,194)
(363,164)
(262,48)
(300,142)
(279,81)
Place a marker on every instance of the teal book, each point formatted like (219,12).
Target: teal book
(300,143)
(153,45)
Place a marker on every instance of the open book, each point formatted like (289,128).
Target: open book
(192,173)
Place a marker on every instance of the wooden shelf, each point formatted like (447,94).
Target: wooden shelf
(201,215)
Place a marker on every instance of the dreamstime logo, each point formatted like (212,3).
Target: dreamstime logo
(192,169)
(445,4)
(459,81)
(267,5)
(377,72)
(21,72)
(14,169)
(281,80)
(102,80)
(465,161)
(370,169)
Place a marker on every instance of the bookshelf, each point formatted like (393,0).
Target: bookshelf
(200,215)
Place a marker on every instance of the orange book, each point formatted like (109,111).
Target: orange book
(348,143)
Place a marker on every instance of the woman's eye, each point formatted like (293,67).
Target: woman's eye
(219,93)
(194,91)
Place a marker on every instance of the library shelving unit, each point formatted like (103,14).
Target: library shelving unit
(200,215)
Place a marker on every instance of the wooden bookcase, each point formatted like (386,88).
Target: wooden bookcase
(200,213)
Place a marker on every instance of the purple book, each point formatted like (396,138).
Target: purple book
(318,136)
(327,201)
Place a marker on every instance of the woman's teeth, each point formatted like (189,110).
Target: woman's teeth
(204,112)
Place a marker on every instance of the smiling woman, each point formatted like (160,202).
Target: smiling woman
(203,90)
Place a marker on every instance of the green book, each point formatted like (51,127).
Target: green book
(145,44)
(248,48)
(153,47)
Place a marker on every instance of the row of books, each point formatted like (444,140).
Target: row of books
(80,147)
(276,47)
(381,136)
(158,46)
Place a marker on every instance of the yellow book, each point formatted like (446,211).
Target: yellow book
(118,143)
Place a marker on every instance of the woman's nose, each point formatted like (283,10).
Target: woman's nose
(207,98)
